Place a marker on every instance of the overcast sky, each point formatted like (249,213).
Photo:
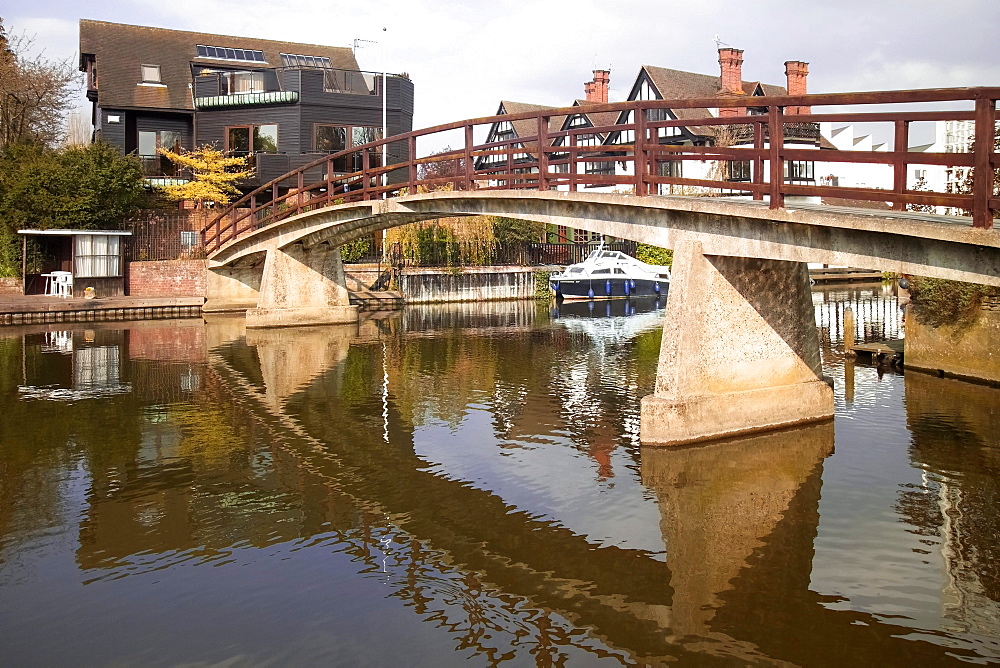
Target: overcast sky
(465,56)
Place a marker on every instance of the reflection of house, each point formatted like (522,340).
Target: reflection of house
(281,103)
(73,367)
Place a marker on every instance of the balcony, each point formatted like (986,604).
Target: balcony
(158,171)
(246,99)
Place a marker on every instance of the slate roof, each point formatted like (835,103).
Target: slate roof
(121,49)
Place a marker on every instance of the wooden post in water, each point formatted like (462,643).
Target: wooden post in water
(848,331)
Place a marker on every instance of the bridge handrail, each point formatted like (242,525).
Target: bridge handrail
(526,162)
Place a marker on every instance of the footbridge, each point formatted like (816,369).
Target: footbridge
(740,350)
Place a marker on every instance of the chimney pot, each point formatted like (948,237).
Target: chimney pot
(731,79)
(796,72)
(597,90)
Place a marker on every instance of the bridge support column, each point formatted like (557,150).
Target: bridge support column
(231,289)
(303,287)
(740,351)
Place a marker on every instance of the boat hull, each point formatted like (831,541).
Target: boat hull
(608,288)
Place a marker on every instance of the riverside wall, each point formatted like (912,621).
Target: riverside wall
(468,284)
(966,350)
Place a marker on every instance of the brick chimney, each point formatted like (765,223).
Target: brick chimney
(731,62)
(796,72)
(597,90)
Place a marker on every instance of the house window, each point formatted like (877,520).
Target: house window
(97,256)
(671,168)
(500,132)
(799,170)
(189,239)
(504,132)
(244,140)
(606,167)
(625,136)
(154,164)
(646,92)
(336,138)
(150,74)
(151,141)
(242,82)
(739,170)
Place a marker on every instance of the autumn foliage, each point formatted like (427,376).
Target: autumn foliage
(213,175)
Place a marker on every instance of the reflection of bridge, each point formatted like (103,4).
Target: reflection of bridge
(746,357)
(738,519)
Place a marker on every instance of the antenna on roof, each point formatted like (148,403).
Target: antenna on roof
(719,43)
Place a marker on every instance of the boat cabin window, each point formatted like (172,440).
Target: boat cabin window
(602,271)
(619,270)
(667,276)
(576,270)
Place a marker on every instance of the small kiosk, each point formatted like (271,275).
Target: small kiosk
(74,260)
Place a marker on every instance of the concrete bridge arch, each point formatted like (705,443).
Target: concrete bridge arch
(740,349)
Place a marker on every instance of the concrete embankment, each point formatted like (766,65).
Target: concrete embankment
(24,309)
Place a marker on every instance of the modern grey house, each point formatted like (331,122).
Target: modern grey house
(282,104)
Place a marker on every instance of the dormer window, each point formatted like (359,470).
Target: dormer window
(151,74)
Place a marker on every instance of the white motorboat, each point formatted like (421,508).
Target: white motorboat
(610,275)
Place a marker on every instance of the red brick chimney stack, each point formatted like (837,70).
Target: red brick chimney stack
(796,72)
(731,62)
(597,90)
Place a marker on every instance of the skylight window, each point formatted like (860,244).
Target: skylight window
(295,60)
(151,74)
(225,53)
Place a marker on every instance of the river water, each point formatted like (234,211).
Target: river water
(464,485)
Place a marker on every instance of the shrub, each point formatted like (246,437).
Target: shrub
(353,251)
(938,302)
(654,255)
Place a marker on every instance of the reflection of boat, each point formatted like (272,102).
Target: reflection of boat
(609,274)
(611,321)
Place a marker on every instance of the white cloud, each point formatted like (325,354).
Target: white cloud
(465,56)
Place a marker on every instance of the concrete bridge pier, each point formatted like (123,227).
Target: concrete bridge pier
(303,286)
(740,351)
(231,288)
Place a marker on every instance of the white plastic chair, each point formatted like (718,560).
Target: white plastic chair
(63,281)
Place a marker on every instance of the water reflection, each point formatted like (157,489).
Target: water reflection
(78,365)
(453,482)
(955,431)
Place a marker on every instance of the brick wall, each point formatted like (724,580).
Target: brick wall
(10,286)
(166,278)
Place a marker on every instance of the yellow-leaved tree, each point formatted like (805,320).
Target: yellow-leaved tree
(213,175)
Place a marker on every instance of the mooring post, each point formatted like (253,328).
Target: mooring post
(849,331)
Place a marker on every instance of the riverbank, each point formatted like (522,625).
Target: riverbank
(22,309)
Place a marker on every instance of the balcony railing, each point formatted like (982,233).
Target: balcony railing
(246,99)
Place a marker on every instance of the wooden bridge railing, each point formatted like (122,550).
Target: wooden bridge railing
(754,154)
